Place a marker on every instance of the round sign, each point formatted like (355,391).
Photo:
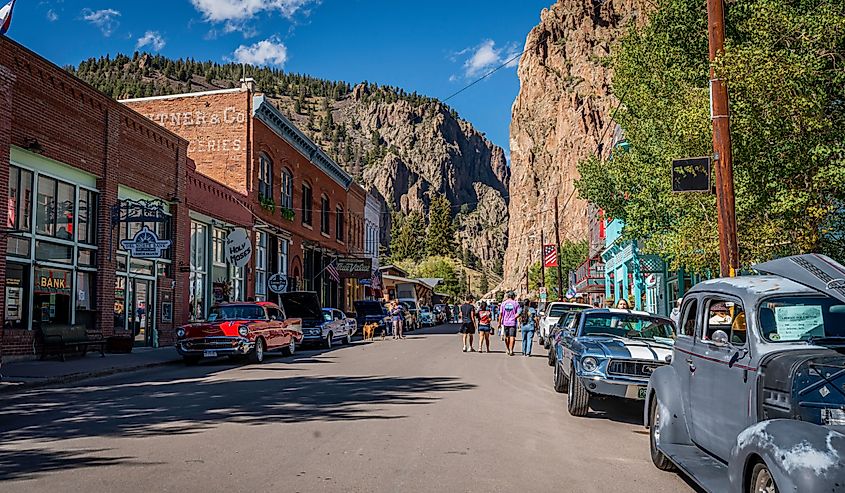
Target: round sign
(238,248)
(651,280)
(278,283)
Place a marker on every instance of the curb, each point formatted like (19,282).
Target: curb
(79,377)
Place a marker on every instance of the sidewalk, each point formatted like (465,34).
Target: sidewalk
(34,373)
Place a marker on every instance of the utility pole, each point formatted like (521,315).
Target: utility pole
(720,116)
(557,243)
(542,257)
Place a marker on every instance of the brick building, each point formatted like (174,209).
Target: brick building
(305,208)
(84,172)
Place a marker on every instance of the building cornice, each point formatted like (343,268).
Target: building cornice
(284,128)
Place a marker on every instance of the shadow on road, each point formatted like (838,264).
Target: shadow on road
(621,410)
(29,463)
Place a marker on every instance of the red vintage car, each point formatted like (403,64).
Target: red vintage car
(240,329)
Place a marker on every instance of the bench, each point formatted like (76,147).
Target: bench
(62,339)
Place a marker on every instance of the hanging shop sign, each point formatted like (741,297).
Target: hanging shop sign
(145,244)
(238,248)
(354,268)
(691,174)
(139,212)
(278,283)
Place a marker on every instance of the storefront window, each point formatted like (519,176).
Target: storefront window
(53,252)
(17,296)
(87,257)
(85,309)
(198,276)
(86,231)
(120,303)
(261,265)
(219,246)
(238,286)
(52,296)
(20,199)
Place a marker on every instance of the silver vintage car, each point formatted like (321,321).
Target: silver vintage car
(754,397)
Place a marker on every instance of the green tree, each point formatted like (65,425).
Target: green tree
(440,239)
(484,283)
(783,68)
(404,237)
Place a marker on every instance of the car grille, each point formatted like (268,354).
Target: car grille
(211,343)
(630,368)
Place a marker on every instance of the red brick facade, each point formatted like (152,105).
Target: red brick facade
(52,116)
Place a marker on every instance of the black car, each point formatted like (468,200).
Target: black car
(565,321)
(371,311)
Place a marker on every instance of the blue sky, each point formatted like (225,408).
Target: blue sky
(433,47)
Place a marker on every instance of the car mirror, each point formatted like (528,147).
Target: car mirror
(720,338)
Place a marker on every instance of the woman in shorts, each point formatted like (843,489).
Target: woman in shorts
(485,318)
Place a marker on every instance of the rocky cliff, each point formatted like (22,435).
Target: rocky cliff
(561,115)
(402,145)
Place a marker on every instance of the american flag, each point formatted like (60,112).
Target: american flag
(6,16)
(332,271)
(375,282)
(549,256)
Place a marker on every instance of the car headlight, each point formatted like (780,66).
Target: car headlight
(180,333)
(243,330)
(589,364)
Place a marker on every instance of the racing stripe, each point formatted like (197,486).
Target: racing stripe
(641,353)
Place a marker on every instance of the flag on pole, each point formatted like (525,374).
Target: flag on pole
(375,281)
(6,16)
(549,256)
(332,271)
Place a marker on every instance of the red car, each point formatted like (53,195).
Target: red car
(238,329)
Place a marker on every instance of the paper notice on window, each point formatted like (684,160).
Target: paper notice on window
(797,322)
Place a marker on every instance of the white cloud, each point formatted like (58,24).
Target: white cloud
(105,19)
(485,57)
(267,52)
(241,10)
(152,39)
(52,16)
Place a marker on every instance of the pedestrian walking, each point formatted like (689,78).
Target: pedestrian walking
(528,324)
(508,313)
(485,321)
(468,322)
(398,321)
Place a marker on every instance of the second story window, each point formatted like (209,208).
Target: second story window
(324,215)
(306,204)
(287,189)
(265,177)
(338,229)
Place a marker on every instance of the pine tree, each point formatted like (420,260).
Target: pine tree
(484,284)
(440,239)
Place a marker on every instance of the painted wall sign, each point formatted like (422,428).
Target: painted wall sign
(354,268)
(278,283)
(238,248)
(229,116)
(145,244)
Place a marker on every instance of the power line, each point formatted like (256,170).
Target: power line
(488,74)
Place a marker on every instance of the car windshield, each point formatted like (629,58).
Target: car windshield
(236,312)
(327,316)
(631,325)
(818,319)
(561,310)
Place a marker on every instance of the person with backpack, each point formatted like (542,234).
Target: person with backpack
(507,314)
(528,324)
(468,320)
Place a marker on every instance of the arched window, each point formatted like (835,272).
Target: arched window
(287,189)
(324,214)
(265,176)
(338,228)
(306,204)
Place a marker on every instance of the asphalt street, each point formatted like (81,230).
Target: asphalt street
(384,416)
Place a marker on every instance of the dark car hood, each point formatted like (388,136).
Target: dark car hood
(613,348)
(368,309)
(302,304)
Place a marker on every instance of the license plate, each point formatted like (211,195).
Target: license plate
(641,392)
(209,354)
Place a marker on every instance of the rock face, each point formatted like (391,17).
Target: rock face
(561,116)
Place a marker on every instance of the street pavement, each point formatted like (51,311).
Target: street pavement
(384,416)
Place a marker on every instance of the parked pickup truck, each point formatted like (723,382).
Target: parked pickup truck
(320,327)
(754,397)
(239,329)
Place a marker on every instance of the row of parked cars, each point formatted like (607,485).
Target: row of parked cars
(745,393)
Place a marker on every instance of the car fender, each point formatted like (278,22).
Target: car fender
(801,456)
(665,386)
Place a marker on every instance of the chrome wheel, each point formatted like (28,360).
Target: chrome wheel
(292,346)
(762,480)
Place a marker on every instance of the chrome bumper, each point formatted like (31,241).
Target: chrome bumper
(223,346)
(628,388)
